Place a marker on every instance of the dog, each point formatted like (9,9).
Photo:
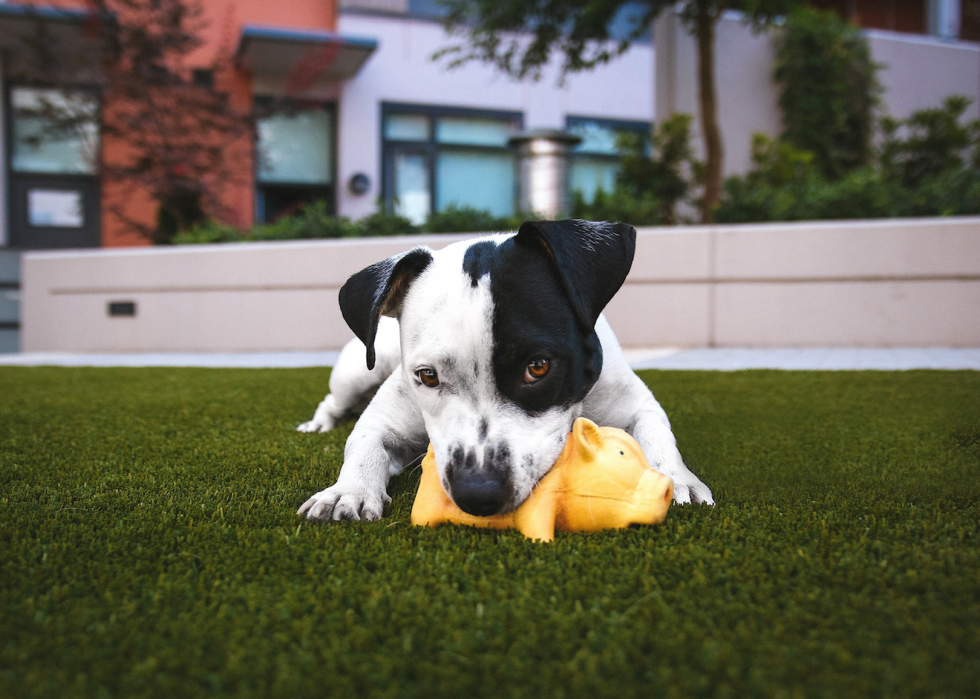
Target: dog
(489,349)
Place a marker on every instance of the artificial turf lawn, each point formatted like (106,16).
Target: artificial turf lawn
(148,547)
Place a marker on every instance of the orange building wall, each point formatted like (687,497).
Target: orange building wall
(224,21)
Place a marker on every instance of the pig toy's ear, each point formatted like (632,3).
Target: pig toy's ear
(588,439)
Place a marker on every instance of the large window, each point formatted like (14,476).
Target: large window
(295,159)
(54,131)
(595,161)
(435,158)
(53,188)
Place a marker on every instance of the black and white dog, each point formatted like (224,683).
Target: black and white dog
(499,344)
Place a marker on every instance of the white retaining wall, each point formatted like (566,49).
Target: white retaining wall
(888,283)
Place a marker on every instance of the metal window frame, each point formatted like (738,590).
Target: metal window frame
(257,184)
(430,147)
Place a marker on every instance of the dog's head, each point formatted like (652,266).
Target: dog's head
(498,346)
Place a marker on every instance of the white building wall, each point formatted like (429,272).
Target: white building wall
(918,72)
(401,70)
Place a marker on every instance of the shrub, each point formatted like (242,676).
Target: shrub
(928,165)
(467,219)
(655,175)
(383,223)
(313,221)
(829,90)
(619,205)
(208,232)
(935,143)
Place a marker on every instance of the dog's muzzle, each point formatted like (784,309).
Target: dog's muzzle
(480,489)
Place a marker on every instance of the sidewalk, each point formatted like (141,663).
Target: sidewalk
(715,359)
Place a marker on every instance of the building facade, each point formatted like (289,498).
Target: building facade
(363,116)
(371,119)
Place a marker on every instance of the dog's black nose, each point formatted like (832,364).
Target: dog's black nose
(480,492)
(480,489)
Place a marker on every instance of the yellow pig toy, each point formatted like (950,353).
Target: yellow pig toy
(601,480)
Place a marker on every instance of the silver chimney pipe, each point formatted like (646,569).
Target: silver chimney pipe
(543,170)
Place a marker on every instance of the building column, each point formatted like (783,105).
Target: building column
(543,171)
(943,19)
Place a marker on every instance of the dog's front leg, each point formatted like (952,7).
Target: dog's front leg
(652,431)
(389,435)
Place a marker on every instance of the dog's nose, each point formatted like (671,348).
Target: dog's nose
(479,492)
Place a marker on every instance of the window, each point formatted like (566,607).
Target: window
(295,160)
(595,161)
(435,158)
(54,131)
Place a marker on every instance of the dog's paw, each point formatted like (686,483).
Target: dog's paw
(322,424)
(340,503)
(692,491)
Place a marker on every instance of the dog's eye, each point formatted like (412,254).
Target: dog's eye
(536,369)
(428,377)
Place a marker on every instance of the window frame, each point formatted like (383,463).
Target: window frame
(18,183)
(9,118)
(266,106)
(430,148)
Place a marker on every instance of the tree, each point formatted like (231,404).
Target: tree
(170,130)
(519,37)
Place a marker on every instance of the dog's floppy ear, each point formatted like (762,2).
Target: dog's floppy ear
(592,260)
(379,290)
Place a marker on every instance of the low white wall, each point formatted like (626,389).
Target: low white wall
(867,283)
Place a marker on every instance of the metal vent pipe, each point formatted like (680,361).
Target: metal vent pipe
(543,170)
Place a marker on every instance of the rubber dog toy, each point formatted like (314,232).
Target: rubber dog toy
(601,480)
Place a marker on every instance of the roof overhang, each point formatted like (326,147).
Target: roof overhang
(40,42)
(298,61)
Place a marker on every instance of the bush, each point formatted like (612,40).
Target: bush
(654,177)
(620,205)
(313,221)
(928,165)
(383,223)
(829,90)
(208,232)
(467,219)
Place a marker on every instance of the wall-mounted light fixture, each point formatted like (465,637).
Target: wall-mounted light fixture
(359,184)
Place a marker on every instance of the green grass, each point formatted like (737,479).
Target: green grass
(148,547)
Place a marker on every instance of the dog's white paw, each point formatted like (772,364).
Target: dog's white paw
(692,491)
(323,424)
(339,503)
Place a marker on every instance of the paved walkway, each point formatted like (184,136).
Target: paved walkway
(655,358)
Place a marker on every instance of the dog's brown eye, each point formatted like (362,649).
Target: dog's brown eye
(428,377)
(536,369)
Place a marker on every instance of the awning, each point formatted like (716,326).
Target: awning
(297,61)
(48,43)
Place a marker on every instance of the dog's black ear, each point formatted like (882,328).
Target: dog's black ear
(379,290)
(592,260)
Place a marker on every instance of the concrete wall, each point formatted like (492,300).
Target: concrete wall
(402,70)
(870,284)
(918,72)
